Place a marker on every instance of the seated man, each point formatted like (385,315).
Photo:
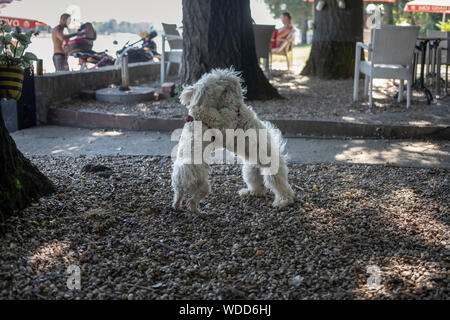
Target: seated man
(281,34)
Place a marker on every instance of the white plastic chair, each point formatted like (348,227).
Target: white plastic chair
(175,55)
(390,57)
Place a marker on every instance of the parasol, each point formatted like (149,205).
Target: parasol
(434,6)
(22,23)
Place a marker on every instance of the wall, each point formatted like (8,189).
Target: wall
(56,87)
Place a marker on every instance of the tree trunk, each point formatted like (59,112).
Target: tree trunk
(304,31)
(390,13)
(335,36)
(20,181)
(219,34)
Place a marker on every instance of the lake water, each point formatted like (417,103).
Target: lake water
(42,47)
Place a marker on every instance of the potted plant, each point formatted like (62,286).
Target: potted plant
(13,60)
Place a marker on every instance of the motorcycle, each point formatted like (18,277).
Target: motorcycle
(97,59)
(81,49)
(145,53)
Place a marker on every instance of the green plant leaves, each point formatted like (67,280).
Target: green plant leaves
(30,56)
(19,51)
(12,52)
(6,40)
(21,38)
(6,28)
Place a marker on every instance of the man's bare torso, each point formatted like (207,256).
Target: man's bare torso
(57,37)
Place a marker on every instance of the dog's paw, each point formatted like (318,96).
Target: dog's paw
(193,207)
(177,205)
(282,202)
(247,192)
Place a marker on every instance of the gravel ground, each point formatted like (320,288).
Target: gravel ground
(305,98)
(120,230)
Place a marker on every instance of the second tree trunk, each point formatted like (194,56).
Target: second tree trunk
(219,34)
(335,35)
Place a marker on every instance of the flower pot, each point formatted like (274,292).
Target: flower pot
(21,114)
(11,81)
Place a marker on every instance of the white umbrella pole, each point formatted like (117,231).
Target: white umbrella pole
(443,17)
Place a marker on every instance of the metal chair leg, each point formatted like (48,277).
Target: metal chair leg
(267,67)
(291,56)
(366,86)
(371,93)
(356,81)
(409,94)
(168,69)
(357,73)
(438,71)
(401,88)
(287,61)
(428,63)
(270,60)
(180,69)
(446,78)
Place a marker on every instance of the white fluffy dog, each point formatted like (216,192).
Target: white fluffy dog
(216,102)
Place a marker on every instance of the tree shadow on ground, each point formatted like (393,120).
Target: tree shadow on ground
(390,153)
(314,98)
(127,240)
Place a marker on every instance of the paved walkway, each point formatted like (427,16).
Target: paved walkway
(64,141)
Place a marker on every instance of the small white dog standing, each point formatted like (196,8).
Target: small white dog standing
(216,103)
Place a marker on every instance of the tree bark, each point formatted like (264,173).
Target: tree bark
(20,181)
(304,31)
(219,34)
(390,13)
(336,33)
